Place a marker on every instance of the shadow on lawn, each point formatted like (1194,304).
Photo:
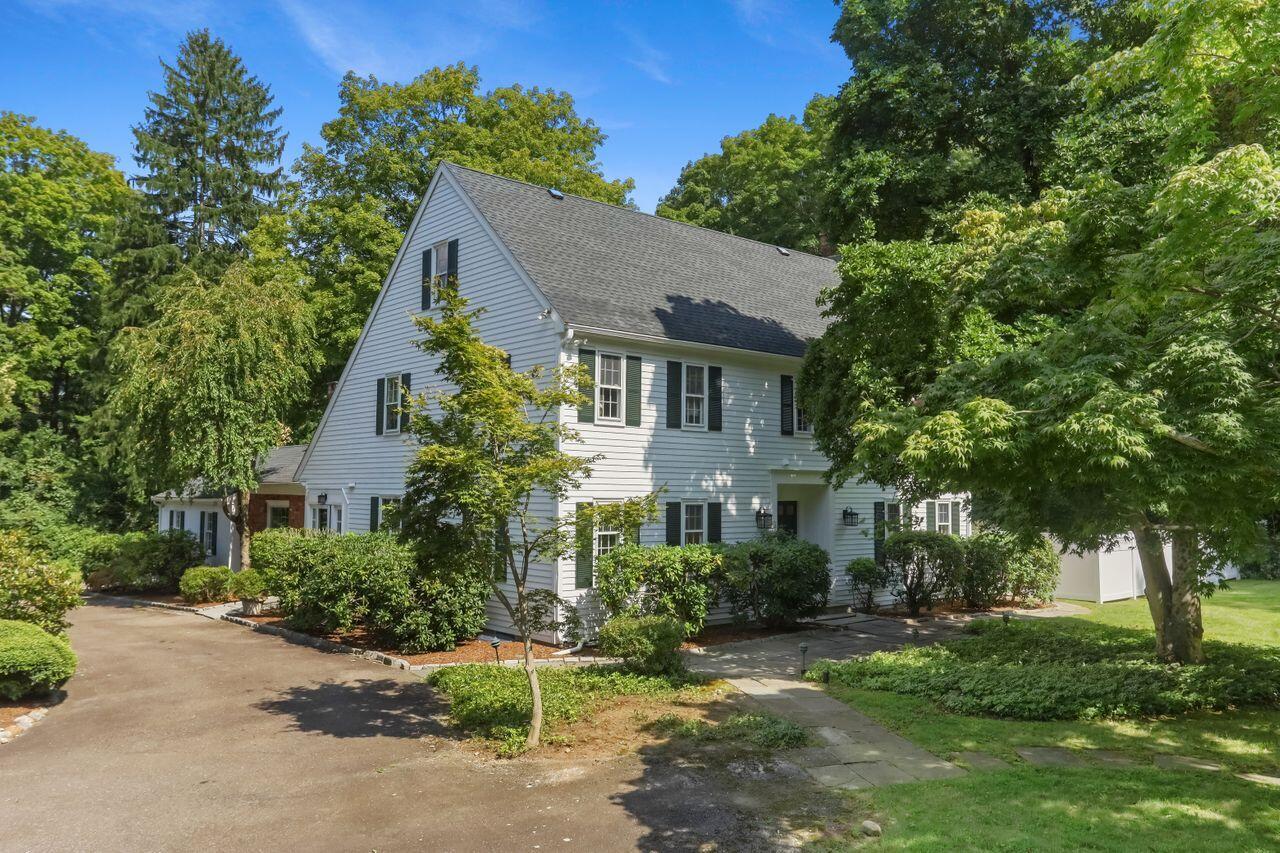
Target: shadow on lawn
(382,707)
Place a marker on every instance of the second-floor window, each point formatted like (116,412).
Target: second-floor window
(609,387)
(695,396)
(607,538)
(391,404)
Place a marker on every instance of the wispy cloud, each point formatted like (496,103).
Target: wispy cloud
(755,13)
(651,61)
(153,25)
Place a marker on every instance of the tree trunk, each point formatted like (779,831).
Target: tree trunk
(239,518)
(535,690)
(1171,597)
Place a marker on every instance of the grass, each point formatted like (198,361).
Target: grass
(493,701)
(1247,611)
(1073,809)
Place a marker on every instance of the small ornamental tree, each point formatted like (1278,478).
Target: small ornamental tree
(482,490)
(204,388)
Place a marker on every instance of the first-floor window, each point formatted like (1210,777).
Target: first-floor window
(177,519)
(607,538)
(327,518)
(694,532)
(609,388)
(277,515)
(389,514)
(209,532)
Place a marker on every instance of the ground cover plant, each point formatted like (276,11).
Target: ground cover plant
(493,701)
(32,661)
(763,730)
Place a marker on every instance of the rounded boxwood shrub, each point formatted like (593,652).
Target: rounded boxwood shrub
(34,588)
(32,661)
(666,580)
(866,576)
(646,644)
(200,584)
(775,579)
(248,584)
(924,566)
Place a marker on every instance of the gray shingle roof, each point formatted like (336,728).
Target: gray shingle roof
(279,466)
(613,268)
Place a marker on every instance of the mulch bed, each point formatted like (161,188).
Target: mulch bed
(471,651)
(714,635)
(10,711)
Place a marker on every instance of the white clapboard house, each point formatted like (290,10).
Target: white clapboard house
(694,338)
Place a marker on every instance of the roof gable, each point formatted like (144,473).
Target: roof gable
(613,268)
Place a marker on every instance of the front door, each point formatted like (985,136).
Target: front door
(788,517)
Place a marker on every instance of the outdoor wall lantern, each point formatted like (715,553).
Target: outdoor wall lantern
(764,518)
(322,498)
(850,516)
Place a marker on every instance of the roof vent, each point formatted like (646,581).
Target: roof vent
(782,251)
(554,193)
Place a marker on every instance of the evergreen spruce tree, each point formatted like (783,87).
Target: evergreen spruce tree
(209,149)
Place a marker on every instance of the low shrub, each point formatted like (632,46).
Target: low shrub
(775,579)
(1064,669)
(35,588)
(983,577)
(248,584)
(493,701)
(923,566)
(866,578)
(1033,572)
(666,580)
(32,661)
(143,561)
(201,584)
(645,644)
(334,584)
(762,730)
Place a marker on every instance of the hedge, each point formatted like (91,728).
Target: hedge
(34,588)
(32,661)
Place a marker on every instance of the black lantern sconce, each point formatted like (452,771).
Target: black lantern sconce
(764,518)
(322,498)
(850,517)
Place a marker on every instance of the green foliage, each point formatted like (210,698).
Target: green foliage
(648,645)
(335,584)
(248,585)
(763,730)
(33,588)
(775,579)
(665,580)
(866,577)
(923,566)
(200,584)
(208,148)
(494,702)
(983,579)
(1064,669)
(32,661)
(142,562)
(765,184)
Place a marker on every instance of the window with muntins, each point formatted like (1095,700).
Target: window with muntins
(391,404)
(802,422)
(609,387)
(695,524)
(606,540)
(277,515)
(695,396)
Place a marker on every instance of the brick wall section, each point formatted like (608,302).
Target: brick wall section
(258,510)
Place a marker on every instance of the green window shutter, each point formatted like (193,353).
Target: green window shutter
(675,394)
(881,533)
(587,411)
(381,402)
(930,515)
(713,522)
(426,279)
(673,523)
(585,548)
(373,514)
(955,517)
(451,268)
(788,405)
(213,532)
(633,390)
(715,416)
(405,394)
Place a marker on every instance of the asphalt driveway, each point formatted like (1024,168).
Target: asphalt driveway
(181,733)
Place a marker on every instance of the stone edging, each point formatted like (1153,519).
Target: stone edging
(23,723)
(390,660)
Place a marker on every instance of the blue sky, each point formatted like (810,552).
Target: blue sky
(665,80)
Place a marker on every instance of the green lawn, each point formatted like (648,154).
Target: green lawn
(1141,809)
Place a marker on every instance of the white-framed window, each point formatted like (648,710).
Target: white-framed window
(607,538)
(802,422)
(389,513)
(439,263)
(177,519)
(391,404)
(945,517)
(277,514)
(609,367)
(326,517)
(693,523)
(695,396)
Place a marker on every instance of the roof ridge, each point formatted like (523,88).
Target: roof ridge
(655,216)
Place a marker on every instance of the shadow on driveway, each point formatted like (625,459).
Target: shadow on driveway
(367,707)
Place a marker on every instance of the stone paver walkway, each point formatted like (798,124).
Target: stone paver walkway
(851,750)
